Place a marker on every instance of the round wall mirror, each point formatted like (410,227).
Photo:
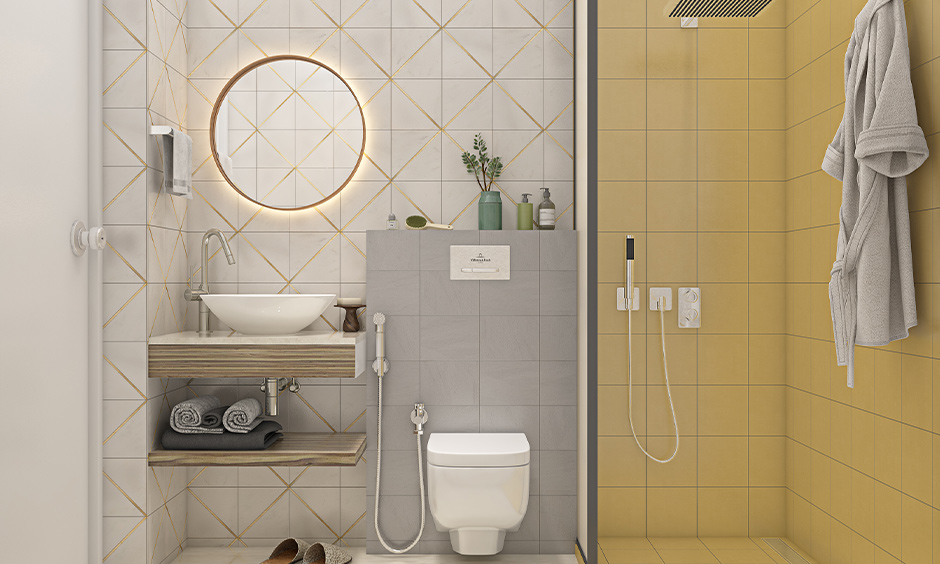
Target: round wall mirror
(287,132)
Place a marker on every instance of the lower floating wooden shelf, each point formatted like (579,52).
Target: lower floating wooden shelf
(295,449)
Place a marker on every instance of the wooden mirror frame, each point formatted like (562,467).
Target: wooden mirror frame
(228,87)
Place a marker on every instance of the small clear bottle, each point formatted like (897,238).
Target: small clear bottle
(546,211)
(392,223)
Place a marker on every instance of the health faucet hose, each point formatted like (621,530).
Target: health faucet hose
(419,417)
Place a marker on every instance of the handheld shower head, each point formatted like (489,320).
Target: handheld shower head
(628,271)
(380,365)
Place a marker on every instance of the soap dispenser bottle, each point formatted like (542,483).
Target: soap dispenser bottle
(524,214)
(546,211)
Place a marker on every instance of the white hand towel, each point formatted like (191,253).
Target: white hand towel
(178,178)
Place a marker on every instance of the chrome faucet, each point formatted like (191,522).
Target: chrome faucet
(196,295)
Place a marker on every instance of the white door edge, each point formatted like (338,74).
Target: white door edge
(95,285)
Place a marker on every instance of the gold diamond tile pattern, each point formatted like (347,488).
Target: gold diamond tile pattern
(143,87)
(167,90)
(409,173)
(362,59)
(396,168)
(168,260)
(276,501)
(240,526)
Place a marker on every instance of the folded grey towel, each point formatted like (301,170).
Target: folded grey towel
(190,416)
(242,417)
(263,436)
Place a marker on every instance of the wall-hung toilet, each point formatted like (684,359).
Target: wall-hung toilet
(478,487)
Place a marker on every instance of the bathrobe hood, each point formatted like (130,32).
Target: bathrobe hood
(877,145)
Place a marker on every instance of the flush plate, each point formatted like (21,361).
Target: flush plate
(479,262)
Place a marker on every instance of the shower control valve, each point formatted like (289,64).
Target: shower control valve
(690,308)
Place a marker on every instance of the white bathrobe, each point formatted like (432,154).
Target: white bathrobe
(878,143)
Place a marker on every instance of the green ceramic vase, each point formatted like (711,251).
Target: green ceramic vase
(490,210)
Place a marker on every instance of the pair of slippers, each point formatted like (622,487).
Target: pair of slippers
(296,551)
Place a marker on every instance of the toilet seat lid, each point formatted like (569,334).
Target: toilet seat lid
(478,450)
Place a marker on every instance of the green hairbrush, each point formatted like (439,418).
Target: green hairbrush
(419,222)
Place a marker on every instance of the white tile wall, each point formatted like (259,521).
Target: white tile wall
(430,74)
(145,268)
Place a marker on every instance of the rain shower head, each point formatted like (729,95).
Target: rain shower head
(716,8)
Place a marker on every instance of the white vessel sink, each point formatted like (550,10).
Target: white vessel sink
(268,314)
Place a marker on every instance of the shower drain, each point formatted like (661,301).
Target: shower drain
(781,547)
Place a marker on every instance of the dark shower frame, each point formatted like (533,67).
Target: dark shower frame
(590,555)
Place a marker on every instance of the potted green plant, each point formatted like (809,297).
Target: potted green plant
(486,170)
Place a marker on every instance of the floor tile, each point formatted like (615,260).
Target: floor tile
(648,556)
(677,543)
(730,543)
(624,543)
(755,556)
(672,556)
(687,550)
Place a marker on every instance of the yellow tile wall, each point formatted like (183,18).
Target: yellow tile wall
(692,137)
(863,465)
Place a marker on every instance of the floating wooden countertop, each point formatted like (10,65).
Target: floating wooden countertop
(232,355)
(295,449)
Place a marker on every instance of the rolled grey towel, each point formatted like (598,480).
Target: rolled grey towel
(264,435)
(242,417)
(190,416)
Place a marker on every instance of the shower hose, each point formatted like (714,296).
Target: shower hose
(378,483)
(660,305)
